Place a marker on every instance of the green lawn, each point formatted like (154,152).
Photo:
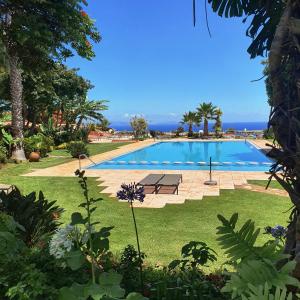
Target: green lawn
(93,149)
(274,184)
(162,231)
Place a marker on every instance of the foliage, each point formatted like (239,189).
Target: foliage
(77,148)
(129,268)
(131,192)
(86,247)
(194,254)
(268,134)
(255,265)
(187,284)
(38,142)
(89,110)
(139,126)
(218,123)
(263,293)
(37,215)
(191,118)
(104,124)
(3,154)
(265,17)
(179,131)
(206,111)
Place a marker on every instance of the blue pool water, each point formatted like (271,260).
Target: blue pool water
(231,155)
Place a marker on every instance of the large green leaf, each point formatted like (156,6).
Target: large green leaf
(74,292)
(110,284)
(135,296)
(75,259)
(77,219)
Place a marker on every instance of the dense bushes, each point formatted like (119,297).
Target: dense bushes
(36,214)
(38,143)
(268,134)
(77,148)
(3,154)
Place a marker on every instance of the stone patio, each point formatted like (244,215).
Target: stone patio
(192,187)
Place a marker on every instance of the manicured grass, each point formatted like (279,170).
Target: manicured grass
(93,149)
(274,184)
(162,231)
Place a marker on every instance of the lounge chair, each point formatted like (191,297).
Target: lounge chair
(149,181)
(169,182)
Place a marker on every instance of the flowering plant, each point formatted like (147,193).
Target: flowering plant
(131,192)
(278,231)
(79,243)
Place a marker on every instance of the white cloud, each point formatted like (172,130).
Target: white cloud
(172,114)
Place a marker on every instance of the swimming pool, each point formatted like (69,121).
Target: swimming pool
(226,155)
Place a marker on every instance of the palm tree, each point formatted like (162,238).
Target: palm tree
(218,124)
(191,118)
(104,124)
(206,111)
(89,110)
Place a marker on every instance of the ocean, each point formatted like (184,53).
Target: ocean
(173,126)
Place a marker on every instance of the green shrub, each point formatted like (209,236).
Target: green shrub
(38,142)
(77,148)
(62,146)
(255,266)
(3,154)
(268,134)
(81,134)
(37,215)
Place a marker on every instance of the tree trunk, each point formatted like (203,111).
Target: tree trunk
(79,123)
(284,57)
(16,89)
(205,127)
(190,134)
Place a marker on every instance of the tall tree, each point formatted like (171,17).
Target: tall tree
(139,126)
(206,111)
(191,118)
(90,110)
(275,30)
(218,121)
(36,32)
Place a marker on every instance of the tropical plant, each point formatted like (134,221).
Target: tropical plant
(194,254)
(139,126)
(90,110)
(131,193)
(35,33)
(104,124)
(77,148)
(78,244)
(206,111)
(275,31)
(130,268)
(35,213)
(255,266)
(191,118)
(38,142)
(218,123)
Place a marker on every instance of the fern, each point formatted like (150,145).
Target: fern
(255,266)
(263,293)
(257,273)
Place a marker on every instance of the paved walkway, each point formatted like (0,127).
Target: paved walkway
(192,188)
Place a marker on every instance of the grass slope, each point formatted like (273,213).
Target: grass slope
(162,231)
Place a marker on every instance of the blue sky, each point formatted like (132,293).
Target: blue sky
(152,61)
